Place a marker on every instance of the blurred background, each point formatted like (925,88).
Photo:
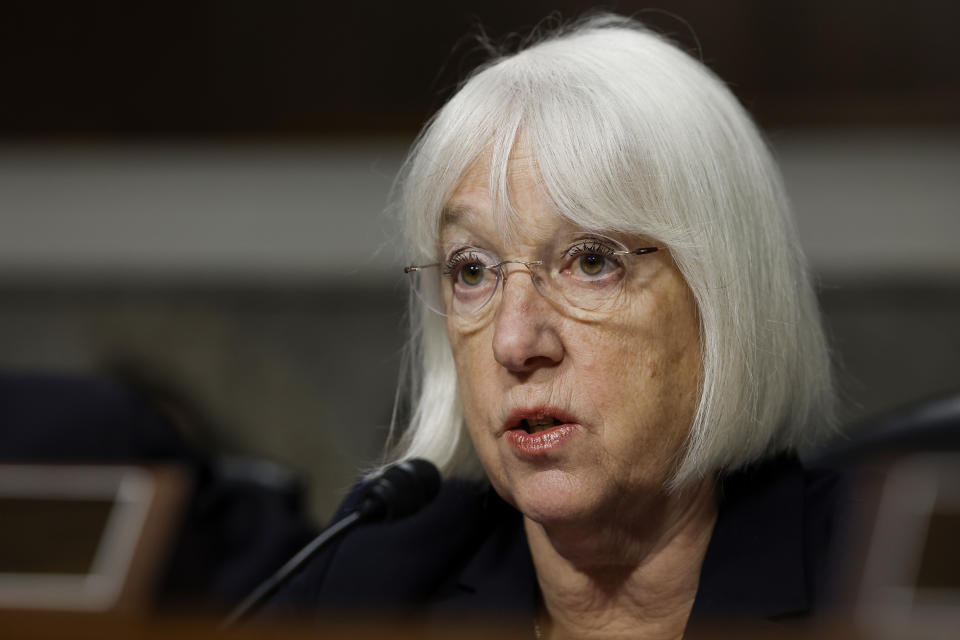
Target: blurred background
(193,195)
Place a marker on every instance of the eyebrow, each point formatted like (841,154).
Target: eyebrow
(454,214)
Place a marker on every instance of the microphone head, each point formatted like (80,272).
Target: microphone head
(401,490)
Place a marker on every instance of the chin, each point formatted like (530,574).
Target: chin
(552,496)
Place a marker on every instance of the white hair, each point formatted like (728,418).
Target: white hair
(630,134)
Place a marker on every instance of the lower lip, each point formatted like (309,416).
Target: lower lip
(543,443)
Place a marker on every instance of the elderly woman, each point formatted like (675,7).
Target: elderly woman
(617,350)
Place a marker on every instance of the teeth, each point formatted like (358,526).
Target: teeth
(539,424)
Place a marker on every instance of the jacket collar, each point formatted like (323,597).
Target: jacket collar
(501,573)
(754,564)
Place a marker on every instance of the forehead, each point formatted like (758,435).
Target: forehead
(520,207)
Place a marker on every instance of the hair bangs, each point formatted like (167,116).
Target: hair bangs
(478,129)
(578,151)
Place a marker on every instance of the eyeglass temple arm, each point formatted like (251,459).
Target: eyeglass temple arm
(419,267)
(637,252)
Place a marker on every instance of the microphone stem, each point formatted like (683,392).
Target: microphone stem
(268,587)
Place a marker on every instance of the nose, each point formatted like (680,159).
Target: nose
(525,335)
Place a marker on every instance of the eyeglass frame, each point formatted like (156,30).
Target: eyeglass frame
(408,270)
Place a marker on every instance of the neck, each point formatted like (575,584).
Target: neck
(634,574)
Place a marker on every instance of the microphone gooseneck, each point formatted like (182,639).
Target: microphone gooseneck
(400,490)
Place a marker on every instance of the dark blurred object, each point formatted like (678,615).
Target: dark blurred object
(303,67)
(894,572)
(61,418)
(927,425)
(906,581)
(242,524)
(244,517)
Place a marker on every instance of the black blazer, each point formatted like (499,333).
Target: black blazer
(467,553)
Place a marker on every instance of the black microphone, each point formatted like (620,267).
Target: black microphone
(400,490)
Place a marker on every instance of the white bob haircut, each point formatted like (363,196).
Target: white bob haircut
(630,134)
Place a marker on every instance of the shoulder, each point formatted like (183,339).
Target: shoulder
(443,556)
(769,556)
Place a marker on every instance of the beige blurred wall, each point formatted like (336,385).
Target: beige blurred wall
(868,203)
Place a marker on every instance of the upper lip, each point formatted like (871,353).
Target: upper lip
(518,415)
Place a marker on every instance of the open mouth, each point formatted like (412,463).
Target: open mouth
(539,434)
(536,425)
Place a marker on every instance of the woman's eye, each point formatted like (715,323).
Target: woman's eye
(590,259)
(465,269)
(471,274)
(592,263)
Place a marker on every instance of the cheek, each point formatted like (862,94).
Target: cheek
(602,367)
(472,360)
(673,369)
(476,381)
(642,376)
(682,361)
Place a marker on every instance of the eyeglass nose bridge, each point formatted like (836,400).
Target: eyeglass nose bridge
(503,274)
